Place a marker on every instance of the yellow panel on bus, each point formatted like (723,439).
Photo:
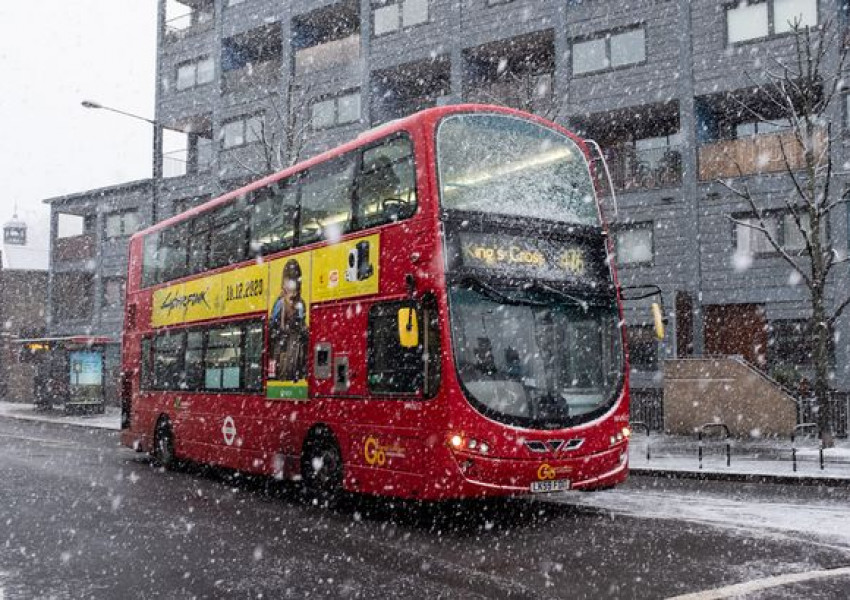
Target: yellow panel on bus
(245,290)
(191,301)
(204,298)
(347,269)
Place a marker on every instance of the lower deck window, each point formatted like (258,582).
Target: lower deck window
(225,357)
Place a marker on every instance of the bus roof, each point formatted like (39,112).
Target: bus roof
(426,116)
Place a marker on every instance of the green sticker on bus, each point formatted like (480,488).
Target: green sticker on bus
(286,390)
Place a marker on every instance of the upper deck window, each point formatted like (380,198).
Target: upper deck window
(506,165)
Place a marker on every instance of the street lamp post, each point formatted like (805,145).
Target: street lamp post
(156,168)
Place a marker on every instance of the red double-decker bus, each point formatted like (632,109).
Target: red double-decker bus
(429,311)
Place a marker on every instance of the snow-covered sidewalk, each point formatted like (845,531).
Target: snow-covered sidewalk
(765,458)
(672,455)
(110,419)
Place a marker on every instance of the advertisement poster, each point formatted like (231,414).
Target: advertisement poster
(289,326)
(86,368)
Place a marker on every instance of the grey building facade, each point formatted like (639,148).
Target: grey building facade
(648,79)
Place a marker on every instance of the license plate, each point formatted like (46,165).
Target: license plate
(556,485)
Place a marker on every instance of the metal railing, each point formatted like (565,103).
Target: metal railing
(809,429)
(723,429)
(189,23)
(650,168)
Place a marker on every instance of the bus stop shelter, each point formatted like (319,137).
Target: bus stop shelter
(69,371)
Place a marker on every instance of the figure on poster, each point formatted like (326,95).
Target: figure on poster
(288,334)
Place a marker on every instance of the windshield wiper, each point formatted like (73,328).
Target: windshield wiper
(494,294)
(556,292)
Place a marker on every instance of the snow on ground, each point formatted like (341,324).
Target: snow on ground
(766,458)
(825,522)
(111,419)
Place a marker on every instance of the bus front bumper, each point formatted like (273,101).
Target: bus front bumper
(484,476)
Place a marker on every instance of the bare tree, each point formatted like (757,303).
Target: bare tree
(802,92)
(283,131)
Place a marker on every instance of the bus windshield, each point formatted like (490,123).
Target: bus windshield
(536,360)
(506,165)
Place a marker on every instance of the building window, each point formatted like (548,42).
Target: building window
(609,51)
(393,16)
(783,229)
(754,20)
(195,73)
(340,110)
(241,131)
(635,245)
(753,128)
(791,344)
(121,224)
(113,293)
(643,348)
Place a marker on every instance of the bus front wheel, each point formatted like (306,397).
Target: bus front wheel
(163,445)
(321,469)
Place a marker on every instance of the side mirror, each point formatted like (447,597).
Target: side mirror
(408,328)
(658,319)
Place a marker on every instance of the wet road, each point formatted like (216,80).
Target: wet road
(82,517)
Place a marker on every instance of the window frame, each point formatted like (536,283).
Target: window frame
(401,27)
(244,121)
(633,227)
(335,98)
(121,214)
(780,219)
(607,36)
(195,63)
(771,22)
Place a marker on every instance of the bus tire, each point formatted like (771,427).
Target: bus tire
(322,469)
(163,445)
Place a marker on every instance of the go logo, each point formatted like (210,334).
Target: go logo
(374,453)
(545,471)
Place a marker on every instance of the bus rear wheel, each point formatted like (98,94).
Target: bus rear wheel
(321,470)
(163,445)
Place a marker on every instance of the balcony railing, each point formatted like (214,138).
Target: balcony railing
(69,249)
(754,154)
(641,169)
(189,24)
(328,55)
(264,75)
(523,92)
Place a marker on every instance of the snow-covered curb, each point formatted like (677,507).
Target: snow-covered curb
(111,419)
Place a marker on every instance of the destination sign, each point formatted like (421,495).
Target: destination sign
(554,260)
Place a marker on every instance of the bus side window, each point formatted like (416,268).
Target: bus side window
(150,260)
(168,360)
(174,252)
(195,360)
(145,374)
(386,187)
(326,201)
(199,241)
(273,213)
(393,367)
(431,346)
(227,235)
